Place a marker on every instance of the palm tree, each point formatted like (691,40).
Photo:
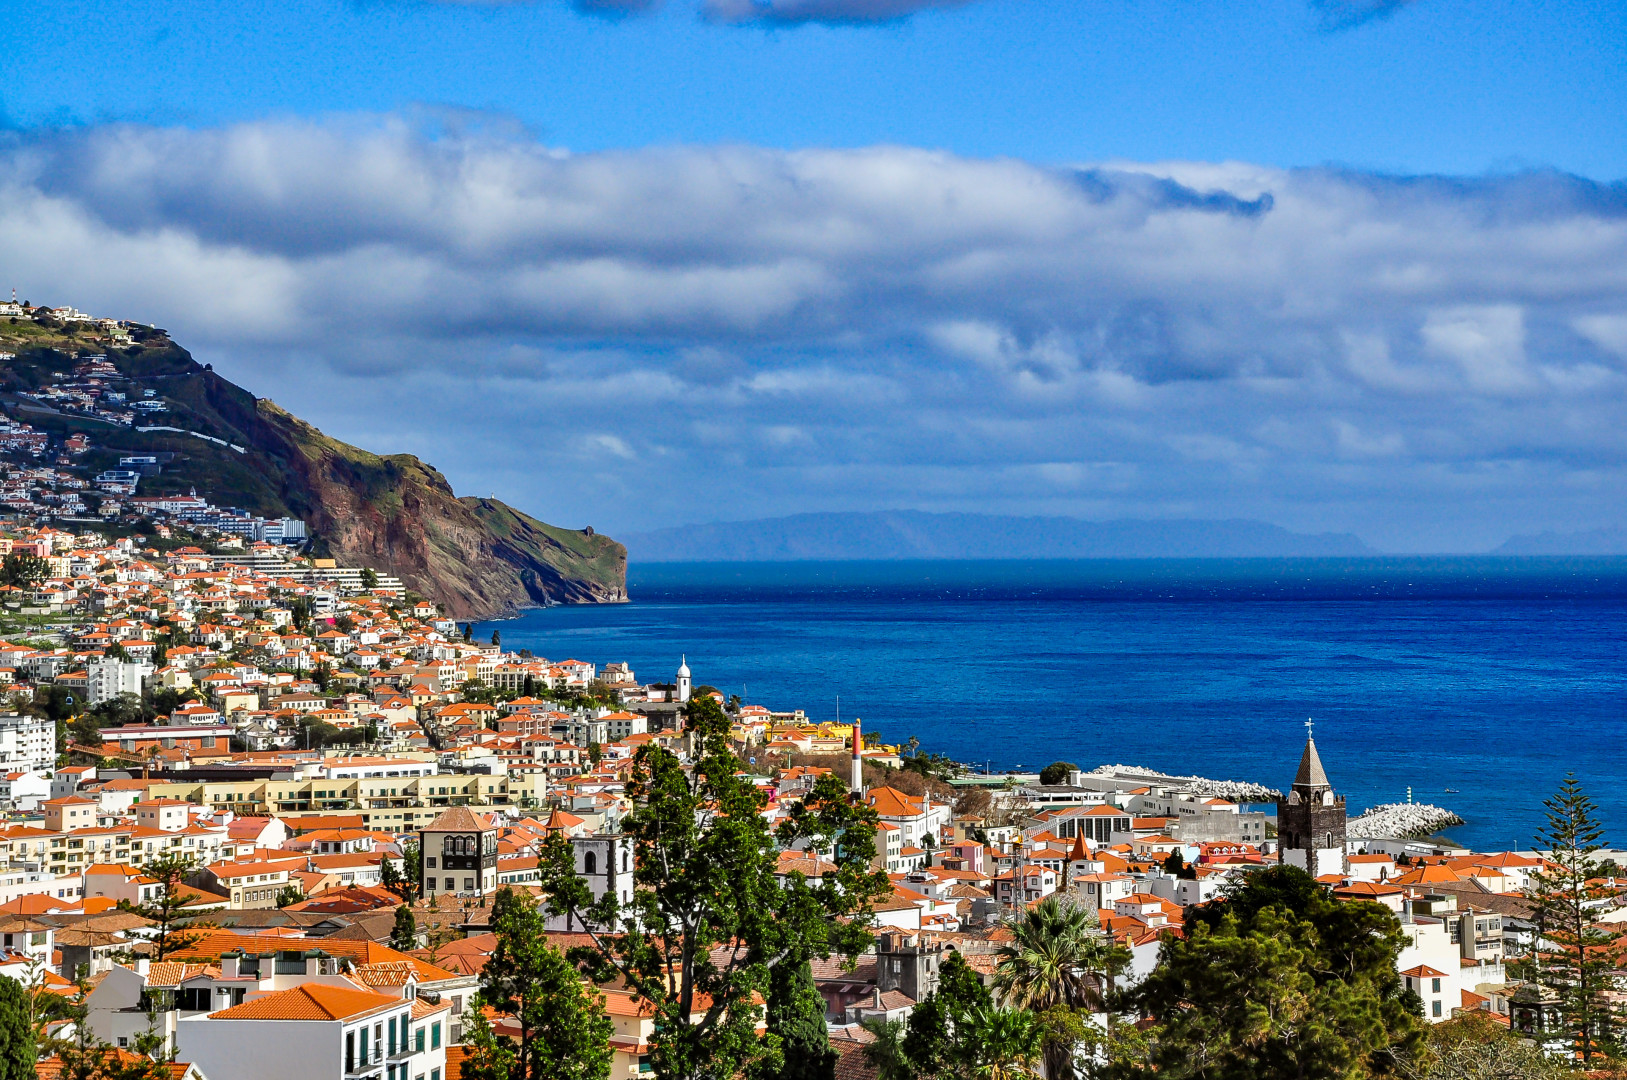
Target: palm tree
(886,1052)
(1057,957)
(1007,1044)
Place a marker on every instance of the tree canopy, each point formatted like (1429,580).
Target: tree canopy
(711,919)
(1057,772)
(1277,978)
(563,1029)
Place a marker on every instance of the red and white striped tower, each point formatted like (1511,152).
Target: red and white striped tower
(855,781)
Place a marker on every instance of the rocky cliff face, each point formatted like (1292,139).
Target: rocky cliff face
(394,513)
(478,557)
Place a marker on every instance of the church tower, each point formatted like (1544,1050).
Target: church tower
(683,679)
(1311,820)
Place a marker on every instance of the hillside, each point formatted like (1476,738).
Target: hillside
(913,534)
(1592,542)
(478,557)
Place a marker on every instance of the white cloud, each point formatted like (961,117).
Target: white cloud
(1225,335)
(1608,332)
(1488,343)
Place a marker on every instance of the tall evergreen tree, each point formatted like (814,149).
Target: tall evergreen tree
(404,934)
(1571,953)
(168,907)
(564,1032)
(485,1057)
(796,1014)
(17,1049)
(711,917)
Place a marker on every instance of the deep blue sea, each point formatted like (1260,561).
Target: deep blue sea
(1493,677)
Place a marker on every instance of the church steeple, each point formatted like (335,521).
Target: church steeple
(1311,775)
(1311,819)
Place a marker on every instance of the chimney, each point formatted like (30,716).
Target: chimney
(855,781)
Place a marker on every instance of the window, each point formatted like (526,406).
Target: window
(435,1042)
(1434,986)
(451,885)
(350,1052)
(1436,1009)
(590,863)
(392,1040)
(430,862)
(418,1040)
(434,1074)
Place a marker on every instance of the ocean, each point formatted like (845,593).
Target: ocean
(1475,682)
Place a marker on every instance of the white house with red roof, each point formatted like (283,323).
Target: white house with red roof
(324,1027)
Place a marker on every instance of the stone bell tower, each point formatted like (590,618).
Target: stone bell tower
(1311,819)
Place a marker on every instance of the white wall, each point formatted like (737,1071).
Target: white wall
(262,1049)
(1430,944)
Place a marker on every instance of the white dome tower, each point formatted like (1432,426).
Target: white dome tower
(683,679)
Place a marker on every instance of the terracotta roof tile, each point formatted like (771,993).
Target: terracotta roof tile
(311,1001)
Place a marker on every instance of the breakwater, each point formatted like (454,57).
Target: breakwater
(1239,791)
(1401,821)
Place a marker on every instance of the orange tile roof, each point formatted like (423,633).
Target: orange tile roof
(310,1001)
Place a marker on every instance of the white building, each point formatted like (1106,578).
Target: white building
(1448,954)
(317,1031)
(108,678)
(27,743)
(605,862)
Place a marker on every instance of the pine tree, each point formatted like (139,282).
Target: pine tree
(485,1057)
(1571,953)
(16,1031)
(168,908)
(710,916)
(404,935)
(796,1013)
(564,1031)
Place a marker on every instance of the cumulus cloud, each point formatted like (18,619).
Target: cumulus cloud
(752,330)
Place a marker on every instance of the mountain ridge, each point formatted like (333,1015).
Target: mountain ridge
(917,534)
(478,557)
(1606,541)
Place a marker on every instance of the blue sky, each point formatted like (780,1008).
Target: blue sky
(1336,264)
(1446,86)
